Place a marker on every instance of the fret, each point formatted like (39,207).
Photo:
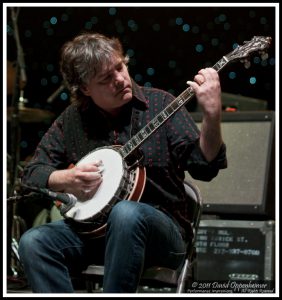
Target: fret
(174,105)
(126,152)
(147,129)
(221,63)
(180,100)
(155,122)
(169,110)
(143,133)
(151,126)
(165,114)
(160,118)
(134,142)
(137,138)
(140,135)
(188,92)
(123,152)
(128,147)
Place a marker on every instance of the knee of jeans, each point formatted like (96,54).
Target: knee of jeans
(126,213)
(28,244)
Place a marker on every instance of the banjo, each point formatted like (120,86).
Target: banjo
(124,180)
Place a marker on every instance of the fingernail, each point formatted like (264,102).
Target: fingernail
(100,169)
(98,163)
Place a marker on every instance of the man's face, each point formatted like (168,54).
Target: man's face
(111,88)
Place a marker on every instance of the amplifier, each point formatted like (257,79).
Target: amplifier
(235,250)
(247,185)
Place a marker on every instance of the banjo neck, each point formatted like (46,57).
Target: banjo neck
(138,139)
(258,43)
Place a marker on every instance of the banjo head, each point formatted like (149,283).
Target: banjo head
(104,197)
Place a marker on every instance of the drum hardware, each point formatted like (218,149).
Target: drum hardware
(16,225)
(54,95)
(20,54)
(11,77)
(16,267)
(30,115)
(22,100)
(17,113)
(17,228)
(17,101)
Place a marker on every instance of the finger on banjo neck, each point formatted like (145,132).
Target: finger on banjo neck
(199,79)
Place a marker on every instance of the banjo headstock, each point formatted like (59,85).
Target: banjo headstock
(256,44)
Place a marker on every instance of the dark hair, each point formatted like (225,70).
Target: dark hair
(83,57)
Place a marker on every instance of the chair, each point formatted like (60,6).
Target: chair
(156,277)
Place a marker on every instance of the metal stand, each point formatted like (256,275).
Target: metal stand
(17,96)
(16,225)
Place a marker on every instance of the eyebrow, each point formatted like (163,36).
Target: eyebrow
(109,70)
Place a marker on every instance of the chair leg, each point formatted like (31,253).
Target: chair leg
(89,286)
(183,278)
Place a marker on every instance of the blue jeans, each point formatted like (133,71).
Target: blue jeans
(138,236)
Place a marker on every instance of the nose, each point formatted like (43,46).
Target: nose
(118,79)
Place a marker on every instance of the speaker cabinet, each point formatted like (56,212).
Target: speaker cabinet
(230,250)
(247,186)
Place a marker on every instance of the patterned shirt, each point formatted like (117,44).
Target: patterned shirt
(168,152)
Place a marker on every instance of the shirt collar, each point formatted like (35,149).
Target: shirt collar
(138,94)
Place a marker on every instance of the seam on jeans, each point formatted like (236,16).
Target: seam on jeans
(177,253)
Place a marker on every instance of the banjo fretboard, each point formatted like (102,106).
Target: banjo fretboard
(257,43)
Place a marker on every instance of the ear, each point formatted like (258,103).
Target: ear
(85,91)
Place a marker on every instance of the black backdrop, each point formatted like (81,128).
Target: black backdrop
(167,46)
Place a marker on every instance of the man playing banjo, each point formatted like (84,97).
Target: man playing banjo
(101,150)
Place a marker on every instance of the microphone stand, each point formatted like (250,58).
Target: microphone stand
(56,93)
(15,128)
(15,150)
